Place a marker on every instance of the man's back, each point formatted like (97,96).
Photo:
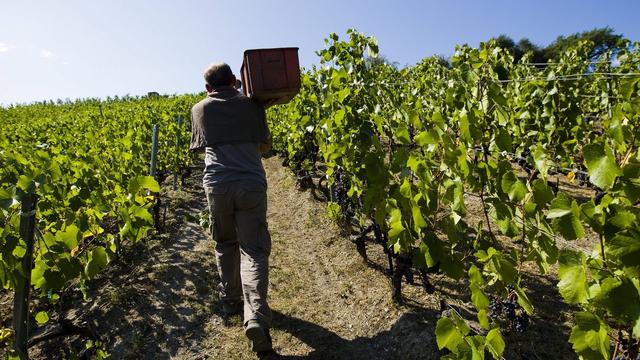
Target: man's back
(233,162)
(225,116)
(230,127)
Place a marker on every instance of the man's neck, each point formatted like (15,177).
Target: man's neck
(219,89)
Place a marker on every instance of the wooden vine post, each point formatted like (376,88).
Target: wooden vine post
(178,146)
(153,173)
(21,299)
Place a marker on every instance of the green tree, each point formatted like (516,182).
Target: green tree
(602,39)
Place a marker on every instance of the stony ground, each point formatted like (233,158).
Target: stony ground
(160,301)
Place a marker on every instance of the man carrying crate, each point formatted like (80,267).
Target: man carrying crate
(232,130)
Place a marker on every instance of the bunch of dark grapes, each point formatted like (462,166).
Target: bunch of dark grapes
(340,190)
(509,311)
(582,177)
(304,161)
(161,175)
(382,239)
(629,348)
(306,157)
(523,162)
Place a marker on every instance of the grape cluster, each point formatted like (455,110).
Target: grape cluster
(408,276)
(304,161)
(582,176)
(383,240)
(629,348)
(340,189)
(523,162)
(306,157)
(509,311)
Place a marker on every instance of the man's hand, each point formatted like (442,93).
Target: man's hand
(266,146)
(269,103)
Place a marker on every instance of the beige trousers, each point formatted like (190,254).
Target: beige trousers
(238,214)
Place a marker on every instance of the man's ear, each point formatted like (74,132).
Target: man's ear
(233,81)
(209,88)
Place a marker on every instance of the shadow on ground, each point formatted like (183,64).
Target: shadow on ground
(411,332)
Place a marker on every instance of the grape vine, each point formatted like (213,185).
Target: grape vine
(86,162)
(405,151)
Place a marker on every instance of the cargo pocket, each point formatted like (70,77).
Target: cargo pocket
(218,200)
(252,196)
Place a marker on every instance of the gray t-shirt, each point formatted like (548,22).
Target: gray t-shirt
(233,162)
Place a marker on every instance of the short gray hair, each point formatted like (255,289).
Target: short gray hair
(218,74)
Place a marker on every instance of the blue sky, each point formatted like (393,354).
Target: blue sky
(73,48)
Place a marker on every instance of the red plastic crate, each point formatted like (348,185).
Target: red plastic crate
(271,75)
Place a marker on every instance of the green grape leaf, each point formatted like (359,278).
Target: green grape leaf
(593,215)
(602,167)
(395,224)
(405,188)
(495,92)
(503,140)
(560,206)
(339,117)
(70,236)
(523,300)
(418,220)
(54,279)
(463,121)
(621,299)
(483,318)
(499,266)
(590,337)
(495,343)
(628,87)
(478,297)
(566,213)
(503,216)
(476,344)
(141,212)
(541,161)
(6,199)
(625,250)
(542,193)
(402,134)
(42,317)
(630,183)
(623,219)
(447,334)
(570,227)
(97,262)
(513,187)
(573,277)
(427,137)
(143,182)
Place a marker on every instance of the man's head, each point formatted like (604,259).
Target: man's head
(217,75)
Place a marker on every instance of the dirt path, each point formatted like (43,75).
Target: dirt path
(328,303)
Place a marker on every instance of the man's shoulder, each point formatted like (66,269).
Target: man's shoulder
(238,101)
(202,103)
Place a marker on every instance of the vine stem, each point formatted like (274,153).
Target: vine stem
(484,205)
(626,157)
(486,213)
(604,259)
(523,240)
(615,349)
